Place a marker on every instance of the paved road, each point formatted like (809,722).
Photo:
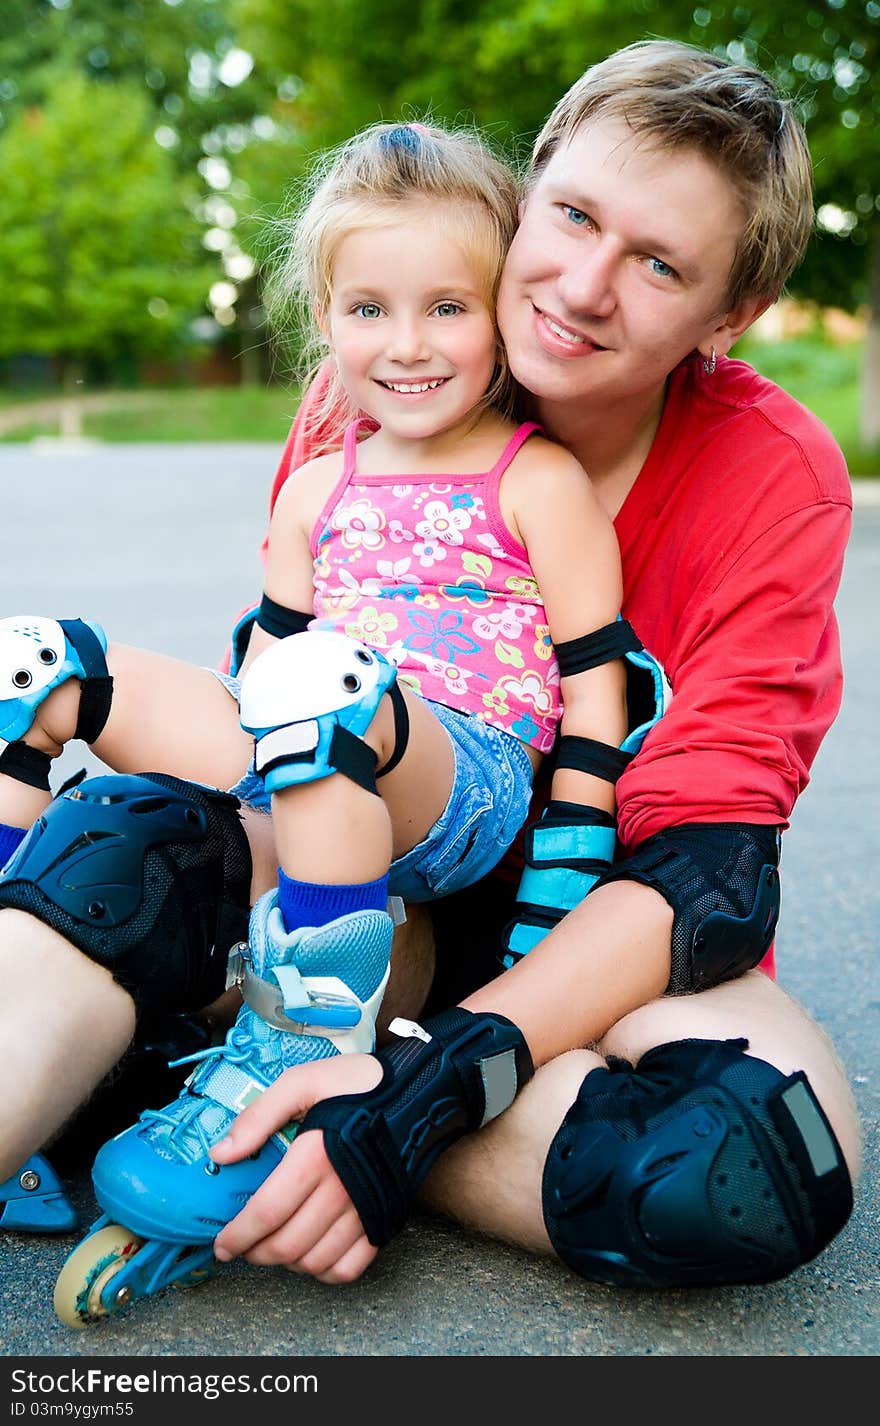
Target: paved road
(160,544)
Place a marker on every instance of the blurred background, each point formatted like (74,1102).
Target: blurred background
(146,146)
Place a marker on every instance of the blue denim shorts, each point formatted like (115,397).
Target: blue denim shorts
(489,801)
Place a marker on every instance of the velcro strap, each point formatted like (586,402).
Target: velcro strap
(289,743)
(26,764)
(564,858)
(350,755)
(298,743)
(525,933)
(557,888)
(279,621)
(96,688)
(601,646)
(556,843)
(588,755)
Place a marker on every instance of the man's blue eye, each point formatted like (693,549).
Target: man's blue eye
(370,310)
(574,215)
(661,268)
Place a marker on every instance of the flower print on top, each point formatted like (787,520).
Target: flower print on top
(424,568)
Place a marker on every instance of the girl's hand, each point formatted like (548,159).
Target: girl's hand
(301,1217)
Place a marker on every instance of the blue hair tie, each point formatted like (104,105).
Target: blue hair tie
(405,136)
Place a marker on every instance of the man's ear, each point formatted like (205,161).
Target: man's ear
(732,325)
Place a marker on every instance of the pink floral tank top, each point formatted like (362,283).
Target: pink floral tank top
(423,568)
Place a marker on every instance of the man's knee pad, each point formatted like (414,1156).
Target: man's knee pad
(36,655)
(722,882)
(147,875)
(702,1165)
(308,700)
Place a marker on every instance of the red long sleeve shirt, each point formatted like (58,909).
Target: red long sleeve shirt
(732,541)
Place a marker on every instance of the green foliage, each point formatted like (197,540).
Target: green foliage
(158,46)
(824,377)
(93,227)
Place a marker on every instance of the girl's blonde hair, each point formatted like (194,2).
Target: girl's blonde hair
(362,184)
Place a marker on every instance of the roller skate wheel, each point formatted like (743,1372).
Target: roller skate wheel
(87,1272)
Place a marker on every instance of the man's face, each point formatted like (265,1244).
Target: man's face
(619,268)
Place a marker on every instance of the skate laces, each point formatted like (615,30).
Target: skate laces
(188,1126)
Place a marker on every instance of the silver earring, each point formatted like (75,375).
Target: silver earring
(709,363)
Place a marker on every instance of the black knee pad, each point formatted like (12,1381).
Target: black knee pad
(704,1165)
(148,875)
(722,882)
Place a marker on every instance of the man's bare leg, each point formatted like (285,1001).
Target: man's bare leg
(491,1181)
(64,1024)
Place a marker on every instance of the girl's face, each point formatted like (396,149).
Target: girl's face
(619,268)
(409,329)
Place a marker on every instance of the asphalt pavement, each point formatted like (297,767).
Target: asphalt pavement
(159,543)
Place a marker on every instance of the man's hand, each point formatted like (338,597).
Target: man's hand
(301,1217)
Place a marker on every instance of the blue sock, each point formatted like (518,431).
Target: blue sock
(10,838)
(309,903)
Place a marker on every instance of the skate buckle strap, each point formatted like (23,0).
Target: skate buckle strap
(294,1002)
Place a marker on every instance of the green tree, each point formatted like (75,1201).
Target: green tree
(101,256)
(198,96)
(172,49)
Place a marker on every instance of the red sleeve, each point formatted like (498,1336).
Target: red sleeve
(307,436)
(756,687)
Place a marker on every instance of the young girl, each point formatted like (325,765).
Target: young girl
(459,584)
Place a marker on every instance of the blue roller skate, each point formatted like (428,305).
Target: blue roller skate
(312,994)
(33,1200)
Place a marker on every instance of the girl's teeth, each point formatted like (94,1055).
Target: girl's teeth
(408,388)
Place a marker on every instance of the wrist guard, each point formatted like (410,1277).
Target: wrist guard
(565,854)
(439,1083)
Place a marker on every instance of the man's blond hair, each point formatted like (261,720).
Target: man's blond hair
(676,96)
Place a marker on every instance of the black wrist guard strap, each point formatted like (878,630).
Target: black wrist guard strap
(439,1083)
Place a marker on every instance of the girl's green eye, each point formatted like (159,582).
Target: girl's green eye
(370,310)
(447,309)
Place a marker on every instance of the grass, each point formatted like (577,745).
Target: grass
(823,377)
(205,413)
